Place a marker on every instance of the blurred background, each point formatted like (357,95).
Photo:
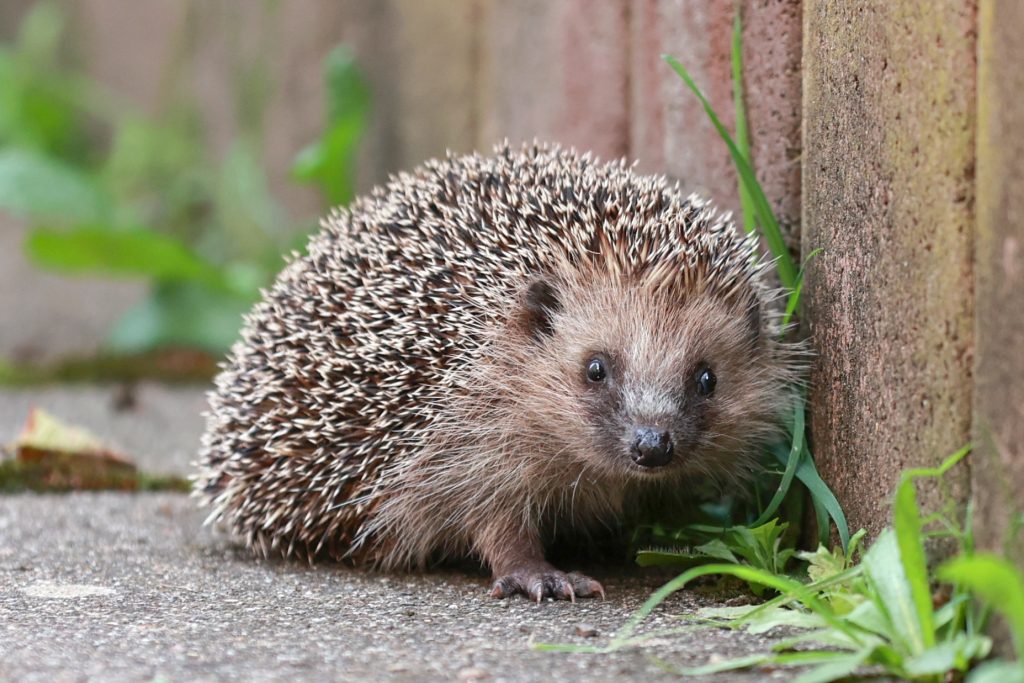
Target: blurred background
(156,159)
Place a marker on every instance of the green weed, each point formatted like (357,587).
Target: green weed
(881,616)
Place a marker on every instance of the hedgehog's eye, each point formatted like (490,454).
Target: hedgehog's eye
(706,380)
(595,370)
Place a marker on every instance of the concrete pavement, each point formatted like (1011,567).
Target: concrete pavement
(123,587)
(131,587)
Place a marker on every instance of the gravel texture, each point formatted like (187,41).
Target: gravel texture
(121,587)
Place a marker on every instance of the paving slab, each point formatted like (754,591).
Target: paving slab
(124,587)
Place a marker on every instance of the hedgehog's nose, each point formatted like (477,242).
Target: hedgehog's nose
(652,447)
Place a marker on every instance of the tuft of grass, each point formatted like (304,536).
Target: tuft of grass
(742,128)
(762,211)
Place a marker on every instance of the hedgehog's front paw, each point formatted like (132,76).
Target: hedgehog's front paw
(544,581)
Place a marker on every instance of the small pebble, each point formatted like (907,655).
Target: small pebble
(473,673)
(586,631)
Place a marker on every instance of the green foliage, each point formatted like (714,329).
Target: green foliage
(760,547)
(330,162)
(995,581)
(879,615)
(742,128)
(42,107)
(112,192)
(870,616)
(36,186)
(765,217)
(125,252)
(181,315)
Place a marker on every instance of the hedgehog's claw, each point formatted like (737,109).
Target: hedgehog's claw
(585,586)
(546,583)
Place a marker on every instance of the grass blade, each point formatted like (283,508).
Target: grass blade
(939,471)
(907,525)
(793,300)
(766,219)
(795,452)
(822,496)
(784,585)
(742,129)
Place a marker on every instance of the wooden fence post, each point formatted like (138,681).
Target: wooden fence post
(997,471)
(888,195)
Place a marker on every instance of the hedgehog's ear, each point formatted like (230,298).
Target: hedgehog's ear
(540,304)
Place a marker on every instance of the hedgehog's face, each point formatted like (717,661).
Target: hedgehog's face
(652,386)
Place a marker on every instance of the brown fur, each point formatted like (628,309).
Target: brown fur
(515,449)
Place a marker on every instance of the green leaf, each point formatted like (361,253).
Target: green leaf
(855,541)
(793,460)
(36,186)
(936,472)
(180,315)
(869,617)
(742,132)
(893,595)
(793,300)
(823,563)
(125,253)
(765,620)
(766,219)
(822,495)
(786,586)
(997,582)
(841,667)
(330,162)
(997,671)
(953,655)
(347,91)
(714,549)
(907,525)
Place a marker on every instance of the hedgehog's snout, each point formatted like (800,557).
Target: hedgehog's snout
(652,446)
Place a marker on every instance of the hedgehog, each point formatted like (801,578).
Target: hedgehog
(490,354)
